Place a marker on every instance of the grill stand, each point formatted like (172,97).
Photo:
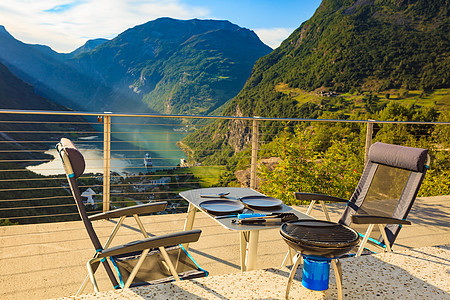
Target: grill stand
(337,267)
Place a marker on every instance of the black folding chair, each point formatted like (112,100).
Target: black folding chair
(385,193)
(384,196)
(151,260)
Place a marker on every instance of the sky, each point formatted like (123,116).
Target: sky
(65,25)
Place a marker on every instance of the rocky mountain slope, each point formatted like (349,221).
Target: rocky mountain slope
(165,66)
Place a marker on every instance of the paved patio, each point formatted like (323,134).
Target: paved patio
(48,260)
(421,273)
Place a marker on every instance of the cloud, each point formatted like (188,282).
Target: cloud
(67,26)
(62,8)
(273,36)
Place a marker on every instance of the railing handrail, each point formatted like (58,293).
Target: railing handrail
(104,119)
(141,115)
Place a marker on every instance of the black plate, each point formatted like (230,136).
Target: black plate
(261,202)
(222,206)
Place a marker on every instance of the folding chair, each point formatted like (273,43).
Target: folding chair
(151,260)
(384,195)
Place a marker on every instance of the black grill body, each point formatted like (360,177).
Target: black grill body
(319,238)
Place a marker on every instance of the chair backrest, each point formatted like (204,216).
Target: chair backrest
(389,185)
(74,166)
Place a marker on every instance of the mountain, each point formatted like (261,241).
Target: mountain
(88,46)
(48,72)
(363,48)
(165,66)
(348,46)
(177,66)
(17,94)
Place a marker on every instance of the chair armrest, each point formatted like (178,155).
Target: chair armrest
(154,242)
(320,197)
(377,220)
(129,211)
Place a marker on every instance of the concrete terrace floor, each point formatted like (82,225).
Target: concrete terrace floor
(420,273)
(48,260)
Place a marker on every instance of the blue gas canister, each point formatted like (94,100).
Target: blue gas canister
(316,273)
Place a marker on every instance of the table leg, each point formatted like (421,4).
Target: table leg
(189,223)
(243,242)
(252,252)
(249,249)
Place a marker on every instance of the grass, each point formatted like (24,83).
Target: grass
(207,176)
(440,98)
(300,95)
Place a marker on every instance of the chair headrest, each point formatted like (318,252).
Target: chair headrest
(75,157)
(409,158)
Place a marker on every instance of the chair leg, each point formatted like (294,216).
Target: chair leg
(86,279)
(385,239)
(141,226)
(136,268)
(324,208)
(297,259)
(325,211)
(83,285)
(114,232)
(92,266)
(91,273)
(163,251)
(169,263)
(365,239)
(308,211)
(337,267)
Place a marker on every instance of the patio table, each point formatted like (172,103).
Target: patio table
(249,233)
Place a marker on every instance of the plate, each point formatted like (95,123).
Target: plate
(261,202)
(222,206)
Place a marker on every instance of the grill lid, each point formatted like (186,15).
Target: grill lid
(319,233)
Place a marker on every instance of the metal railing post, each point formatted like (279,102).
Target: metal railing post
(106,161)
(369,135)
(255,134)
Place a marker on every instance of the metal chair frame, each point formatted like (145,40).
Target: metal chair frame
(104,252)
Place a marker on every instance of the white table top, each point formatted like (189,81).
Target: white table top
(235,193)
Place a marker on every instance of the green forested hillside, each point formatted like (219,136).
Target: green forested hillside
(354,59)
(354,46)
(353,56)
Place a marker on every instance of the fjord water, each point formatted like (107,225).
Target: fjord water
(129,144)
(158,140)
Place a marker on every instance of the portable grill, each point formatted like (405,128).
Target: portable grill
(319,242)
